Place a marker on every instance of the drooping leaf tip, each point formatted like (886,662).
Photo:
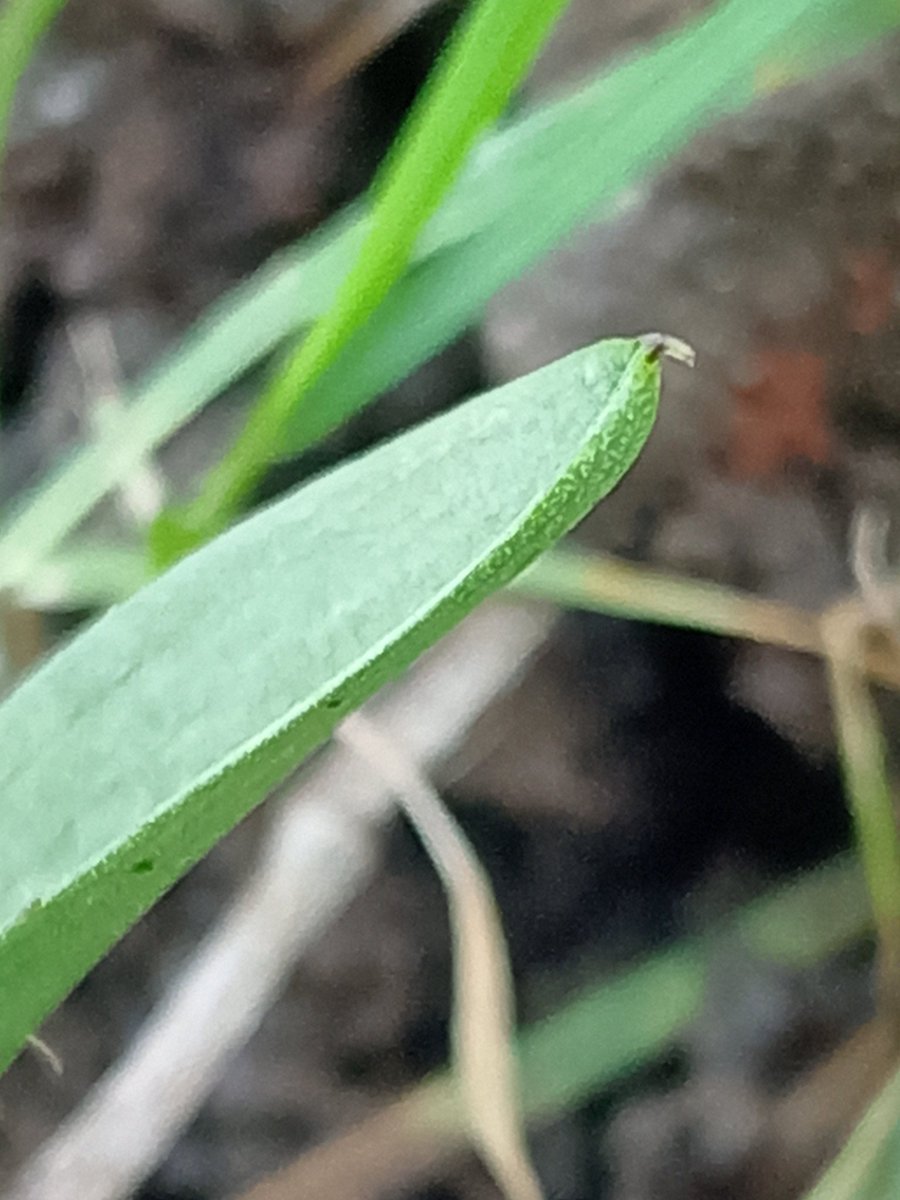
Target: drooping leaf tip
(665,345)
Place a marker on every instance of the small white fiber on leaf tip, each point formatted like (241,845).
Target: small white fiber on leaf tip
(670,347)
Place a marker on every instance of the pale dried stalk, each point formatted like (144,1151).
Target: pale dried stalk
(595,582)
(143,494)
(483,1021)
(868,557)
(321,849)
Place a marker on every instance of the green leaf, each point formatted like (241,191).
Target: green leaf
(527,187)
(844,30)
(489,52)
(126,756)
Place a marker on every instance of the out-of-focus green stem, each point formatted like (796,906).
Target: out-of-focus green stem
(863,760)
(488,55)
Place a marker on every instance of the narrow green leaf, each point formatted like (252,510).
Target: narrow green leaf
(126,756)
(863,754)
(527,187)
(843,31)
(557,173)
(489,52)
(88,573)
(248,324)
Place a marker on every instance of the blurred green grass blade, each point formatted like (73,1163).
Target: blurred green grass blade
(618,1026)
(490,51)
(850,26)
(510,188)
(863,755)
(86,574)
(22,25)
(556,173)
(127,755)
(247,325)
(868,1168)
(602,1034)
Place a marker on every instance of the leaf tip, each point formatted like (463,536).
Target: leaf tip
(664,345)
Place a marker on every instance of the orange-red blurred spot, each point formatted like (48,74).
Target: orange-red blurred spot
(871,295)
(781,416)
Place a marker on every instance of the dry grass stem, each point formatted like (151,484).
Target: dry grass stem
(483,1022)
